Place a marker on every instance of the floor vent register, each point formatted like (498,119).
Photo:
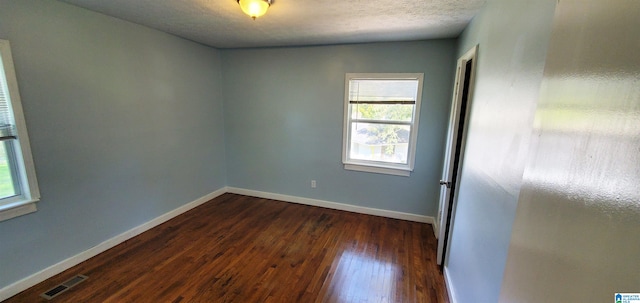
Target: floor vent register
(59,289)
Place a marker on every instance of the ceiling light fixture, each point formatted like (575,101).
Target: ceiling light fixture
(254,8)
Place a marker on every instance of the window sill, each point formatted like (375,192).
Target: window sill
(378,169)
(17,209)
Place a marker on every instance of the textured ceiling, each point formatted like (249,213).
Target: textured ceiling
(221,23)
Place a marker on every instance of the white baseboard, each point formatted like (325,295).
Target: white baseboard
(449,286)
(333,205)
(21,285)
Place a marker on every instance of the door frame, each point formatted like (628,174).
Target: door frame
(449,188)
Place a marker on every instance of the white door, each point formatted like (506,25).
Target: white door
(454,146)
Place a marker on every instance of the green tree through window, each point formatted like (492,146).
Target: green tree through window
(381,119)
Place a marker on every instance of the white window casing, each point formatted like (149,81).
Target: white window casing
(14,136)
(381,115)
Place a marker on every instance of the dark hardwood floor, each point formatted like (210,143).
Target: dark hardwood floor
(244,249)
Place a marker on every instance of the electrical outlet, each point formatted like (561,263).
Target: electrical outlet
(313,183)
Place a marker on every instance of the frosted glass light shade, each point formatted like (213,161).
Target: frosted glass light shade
(254,8)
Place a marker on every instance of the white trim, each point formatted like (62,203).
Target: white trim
(333,205)
(392,168)
(449,286)
(31,190)
(435,226)
(23,161)
(451,144)
(378,170)
(21,285)
(22,209)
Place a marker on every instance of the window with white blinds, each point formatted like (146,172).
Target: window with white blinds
(381,122)
(18,185)
(7,124)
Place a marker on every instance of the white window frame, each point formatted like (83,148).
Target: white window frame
(397,169)
(22,159)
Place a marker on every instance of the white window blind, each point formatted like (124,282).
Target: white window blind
(7,123)
(381,122)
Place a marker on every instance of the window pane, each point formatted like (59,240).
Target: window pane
(379,142)
(7,188)
(387,112)
(382,90)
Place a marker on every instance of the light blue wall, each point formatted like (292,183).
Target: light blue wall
(125,124)
(513,37)
(577,226)
(284,116)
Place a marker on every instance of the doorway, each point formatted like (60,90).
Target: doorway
(456,135)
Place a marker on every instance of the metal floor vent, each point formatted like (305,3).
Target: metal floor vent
(59,289)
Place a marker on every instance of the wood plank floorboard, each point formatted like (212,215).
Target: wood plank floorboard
(243,249)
